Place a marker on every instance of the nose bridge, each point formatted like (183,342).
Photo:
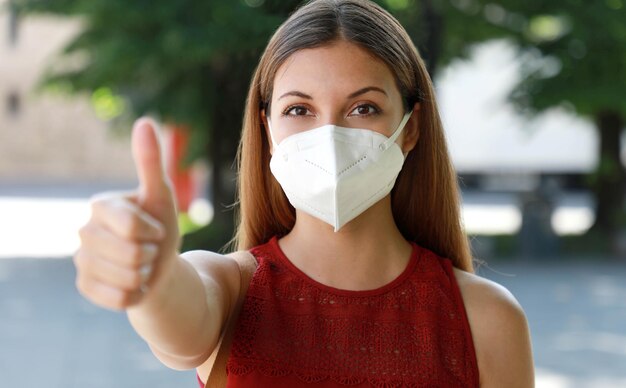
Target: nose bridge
(332,115)
(331,110)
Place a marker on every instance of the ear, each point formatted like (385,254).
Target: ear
(268,135)
(411,131)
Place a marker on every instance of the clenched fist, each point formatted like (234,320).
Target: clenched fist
(131,240)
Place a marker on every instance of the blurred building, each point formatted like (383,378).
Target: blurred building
(48,137)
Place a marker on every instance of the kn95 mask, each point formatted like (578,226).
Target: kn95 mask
(336,173)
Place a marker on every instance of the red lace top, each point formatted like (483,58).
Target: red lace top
(296,332)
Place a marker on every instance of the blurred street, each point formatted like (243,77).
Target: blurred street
(527,100)
(577,316)
(50,335)
(54,213)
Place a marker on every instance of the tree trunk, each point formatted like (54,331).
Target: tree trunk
(222,193)
(433,22)
(608,179)
(217,180)
(216,235)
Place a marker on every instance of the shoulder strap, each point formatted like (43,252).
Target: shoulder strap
(247,265)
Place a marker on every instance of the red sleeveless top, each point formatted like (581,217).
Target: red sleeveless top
(296,332)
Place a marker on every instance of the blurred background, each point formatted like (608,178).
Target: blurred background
(533,99)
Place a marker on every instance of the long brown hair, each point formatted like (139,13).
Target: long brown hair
(425,199)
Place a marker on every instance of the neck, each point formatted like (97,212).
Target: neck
(367,253)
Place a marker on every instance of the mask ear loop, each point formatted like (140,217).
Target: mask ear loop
(269,126)
(397,132)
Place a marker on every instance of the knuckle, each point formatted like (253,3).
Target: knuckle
(88,233)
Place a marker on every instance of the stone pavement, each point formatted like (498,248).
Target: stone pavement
(577,316)
(50,335)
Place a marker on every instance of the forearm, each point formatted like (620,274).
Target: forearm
(179,317)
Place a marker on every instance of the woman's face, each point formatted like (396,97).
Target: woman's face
(340,84)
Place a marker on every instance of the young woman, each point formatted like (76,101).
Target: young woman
(348,204)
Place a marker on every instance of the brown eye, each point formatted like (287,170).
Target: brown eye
(296,111)
(364,110)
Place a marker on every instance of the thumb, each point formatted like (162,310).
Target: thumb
(154,190)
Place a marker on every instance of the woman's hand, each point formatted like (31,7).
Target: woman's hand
(129,260)
(130,244)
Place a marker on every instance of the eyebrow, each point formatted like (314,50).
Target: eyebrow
(352,95)
(297,94)
(367,89)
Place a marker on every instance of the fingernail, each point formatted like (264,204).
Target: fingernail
(145,272)
(150,251)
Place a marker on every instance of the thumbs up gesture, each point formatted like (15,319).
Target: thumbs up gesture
(129,244)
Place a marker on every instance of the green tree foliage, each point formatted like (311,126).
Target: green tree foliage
(190,62)
(572,54)
(187,62)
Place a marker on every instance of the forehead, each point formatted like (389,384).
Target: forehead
(337,65)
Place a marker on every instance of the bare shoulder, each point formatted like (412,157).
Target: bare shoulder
(500,332)
(215,266)
(482,293)
(219,275)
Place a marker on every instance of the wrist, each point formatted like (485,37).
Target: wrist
(159,287)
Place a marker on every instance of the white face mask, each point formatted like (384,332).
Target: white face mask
(336,173)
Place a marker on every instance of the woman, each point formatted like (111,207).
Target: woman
(350,208)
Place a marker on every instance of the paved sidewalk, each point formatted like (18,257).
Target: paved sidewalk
(577,316)
(50,335)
